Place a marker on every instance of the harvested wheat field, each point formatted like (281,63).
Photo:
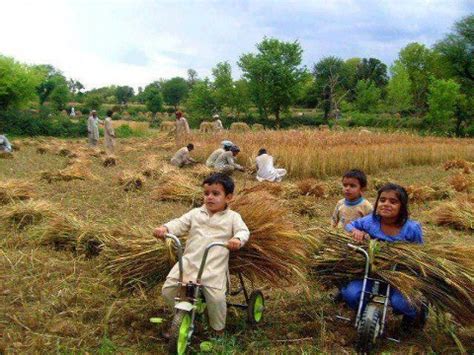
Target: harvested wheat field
(81,273)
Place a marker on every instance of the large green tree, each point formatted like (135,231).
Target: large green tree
(201,101)
(399,97)
(274,75)
(53,81)
(174,91)
(18,83)
(367,95)
(124,94)
(152,97)
(374,70)
(223,85)
(443,97)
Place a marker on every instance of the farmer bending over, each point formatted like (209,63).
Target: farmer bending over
(213,222)
(5,145)
(226,145)
(389,222)
(182,157)
(265,169)
(225,163)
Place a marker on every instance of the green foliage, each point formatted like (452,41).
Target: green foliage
(201,102)
(241,100)
(374,70)
(22,123)
(125,131)
(223,85)
(442,99)
(174,91)
(59,97)
(367,96)
(18,83)
(53,86)
(153,98)
(93,101)
(274,75)
(399,97)
(192,78)
(123,94)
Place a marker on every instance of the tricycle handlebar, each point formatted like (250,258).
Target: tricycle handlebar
(204,257)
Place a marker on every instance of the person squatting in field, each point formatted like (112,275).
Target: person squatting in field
(226,145)
(5,145)
(182,156)
(353,205)
(212,222)
(265,169)
(389,222)
(226,164)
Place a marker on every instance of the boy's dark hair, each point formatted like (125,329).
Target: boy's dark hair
(222,179)
(235,148)
(357,174)
(190,146)
(262,151)
(402,196)
(110,113)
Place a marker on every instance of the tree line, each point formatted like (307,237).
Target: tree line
(434,85)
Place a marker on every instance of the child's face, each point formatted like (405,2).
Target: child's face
(215,198)
(389,205)
(351,188)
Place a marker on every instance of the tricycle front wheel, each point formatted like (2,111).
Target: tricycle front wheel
(256,306)
(369,328)
(180,332)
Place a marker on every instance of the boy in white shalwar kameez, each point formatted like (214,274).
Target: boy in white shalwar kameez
(265,169)
(212,222)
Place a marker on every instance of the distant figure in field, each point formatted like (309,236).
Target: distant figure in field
(182,156)
(211,161)
(265,169)
(109,133)
(182,128)
(73,112)
(217,123)
(5,145)
(226,164)
(93,128)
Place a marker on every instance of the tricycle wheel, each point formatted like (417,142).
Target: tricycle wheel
(180,332)
(369,328)
(256,306)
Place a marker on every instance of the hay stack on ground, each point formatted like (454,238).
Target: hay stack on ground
(79,170)
(23,214)
(11,190)
(311,187)
(421,193)
(130,181)
(199,171)
(109,161)
(64,152)
(42,150)
(458,214)
(445,271)
(276,252)
(6,155)
(180,188)
(273,188)
(462,182)
(304,206)
(150,166)
(458,164)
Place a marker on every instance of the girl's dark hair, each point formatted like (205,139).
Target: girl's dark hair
(110,113)
(262,151)
(222,179)
(402,196)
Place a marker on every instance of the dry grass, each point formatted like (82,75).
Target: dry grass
(423,193)
(444,270)
(5,155)
(462,182)
(273,188)
(458,164)
(458,214)
(178,188)
(130,181)
(13,189)
(311,187)
(78,170)
(109,161)
(150,166)
(20,215)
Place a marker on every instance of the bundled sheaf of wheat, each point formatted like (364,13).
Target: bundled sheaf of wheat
(458,214)
(178,187)
(462,182)
(130,180)
(23,214)
(13,189)
(441,272)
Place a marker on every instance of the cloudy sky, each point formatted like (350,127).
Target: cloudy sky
(133,42)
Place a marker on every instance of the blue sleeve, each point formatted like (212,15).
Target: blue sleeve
(360,224)
(415,233)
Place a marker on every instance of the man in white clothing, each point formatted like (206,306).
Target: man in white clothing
(226,145)
(265,169)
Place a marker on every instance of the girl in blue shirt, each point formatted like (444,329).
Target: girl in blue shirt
(389,222)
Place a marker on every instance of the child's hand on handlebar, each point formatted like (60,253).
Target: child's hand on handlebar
(234,244)
(358,235)
(159,233)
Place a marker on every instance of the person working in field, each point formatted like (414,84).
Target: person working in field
(389,222)
(5,145)
(265,169)
(109,133)
(182,128)
(226,164)
(213,222)
(353,205)
(217,123)
(93,128)
(182,156)
(226,145)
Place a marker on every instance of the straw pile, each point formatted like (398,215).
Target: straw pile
(130,181)
(23,214)
(458,164)
(11,190)
(64,152)
(179,188)
(311,187)
(305,206)
(134,259)
(276,252)
(458,214)
(461,182)
(42,150)
(422,193)
(109,161)
(273,188)
(79,170)
(150,166)
(6,155)
(199,171)
(444,271)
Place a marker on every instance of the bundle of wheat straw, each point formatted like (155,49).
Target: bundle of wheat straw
(178,187)
(134,259)
(199,171)
(109,161)
(131,181)
(441,272)
(150,166)
(458,214)
(462,182)
(276,252)
(311,187)
(6,155)
(458,164)
(75,171)
(273,188)
(11,190)
(23,214)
